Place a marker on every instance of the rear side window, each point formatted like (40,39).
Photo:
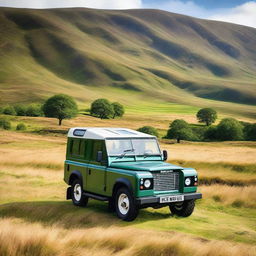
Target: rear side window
(98,145)
(77,148)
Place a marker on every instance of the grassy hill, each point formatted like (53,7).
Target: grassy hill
(146,59)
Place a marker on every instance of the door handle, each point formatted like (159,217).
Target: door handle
(89,171)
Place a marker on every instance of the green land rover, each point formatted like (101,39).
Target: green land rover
(127,169)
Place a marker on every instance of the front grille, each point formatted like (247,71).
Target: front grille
(166,180)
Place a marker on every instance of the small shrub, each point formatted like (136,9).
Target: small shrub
(34,110)
(21,127)
(1,110)
(149,130)
(21,110)
(5,124)
(9,110)
(238,203)
(216,198)
(211,133)
(250,132)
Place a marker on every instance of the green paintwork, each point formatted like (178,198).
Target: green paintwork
(101,177)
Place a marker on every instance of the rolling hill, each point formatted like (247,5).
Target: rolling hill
(134,56)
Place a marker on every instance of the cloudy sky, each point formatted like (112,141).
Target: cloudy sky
(235,11)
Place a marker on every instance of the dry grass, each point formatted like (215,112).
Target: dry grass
(22,238)
(35,220)
(231,195)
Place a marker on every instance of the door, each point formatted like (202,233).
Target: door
(95,181)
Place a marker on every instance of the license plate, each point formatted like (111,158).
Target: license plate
(170,199)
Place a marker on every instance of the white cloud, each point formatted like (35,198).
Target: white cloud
(244,14)
(187,8)
(101,4)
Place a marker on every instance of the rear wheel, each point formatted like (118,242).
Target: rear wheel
(183,209)
(126,208)
(78,198)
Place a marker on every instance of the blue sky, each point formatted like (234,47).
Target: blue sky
(235,11)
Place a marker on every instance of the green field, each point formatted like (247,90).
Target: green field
(168,64)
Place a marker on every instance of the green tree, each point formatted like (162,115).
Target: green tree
(34,110)
(180,130)
(229,129)
(118,109)
(60,106)
(250,131)
(20,109)
(149,130)
(207,116)
(9,110)
(102,108)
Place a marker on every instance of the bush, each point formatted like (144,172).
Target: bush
(180,130)
(5,124)
(149,130)
(118,109)
(211,133)
(102,108)
(250,131)
(199,132)
(229,129)
(207,116)
(21,127)
(34,110)
(1,110)
(21,110)
(9,110)
(60,106)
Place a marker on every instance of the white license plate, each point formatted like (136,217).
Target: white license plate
(170,199)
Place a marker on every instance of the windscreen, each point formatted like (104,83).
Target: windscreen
(132,147)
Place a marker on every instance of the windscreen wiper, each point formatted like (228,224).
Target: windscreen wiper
(125,152)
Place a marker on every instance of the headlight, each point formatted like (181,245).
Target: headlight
(147,183)
(187,181)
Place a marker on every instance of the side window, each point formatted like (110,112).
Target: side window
(97,146)
(77,148)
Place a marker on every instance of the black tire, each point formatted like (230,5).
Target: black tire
(129,205)
(183,209)
(111,205)
(78,199)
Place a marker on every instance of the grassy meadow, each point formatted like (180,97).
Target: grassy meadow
(36,219)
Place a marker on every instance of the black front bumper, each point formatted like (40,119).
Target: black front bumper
(155,200)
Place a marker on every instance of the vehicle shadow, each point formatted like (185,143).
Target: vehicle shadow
(65,214)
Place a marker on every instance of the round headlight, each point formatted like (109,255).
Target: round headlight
(147,183)
(187,181)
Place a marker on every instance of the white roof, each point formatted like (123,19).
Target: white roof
(99,133)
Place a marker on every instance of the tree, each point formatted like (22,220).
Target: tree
(250,131)
(34,110)
(102,108)
(9,110)
(207,116)
(229,129)
(149,130)
(180,130)
(20,109)
(118,109)
(60,106)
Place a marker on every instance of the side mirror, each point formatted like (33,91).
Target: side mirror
(99,156)
(165,155)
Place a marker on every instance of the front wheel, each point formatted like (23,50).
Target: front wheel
(126,208)
(78,198)
(183,209)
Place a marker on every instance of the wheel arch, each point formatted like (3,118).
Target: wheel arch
(75,175)
(122,182)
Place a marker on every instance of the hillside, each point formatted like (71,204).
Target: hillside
(134,56)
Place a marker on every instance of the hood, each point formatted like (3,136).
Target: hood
(145,166)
